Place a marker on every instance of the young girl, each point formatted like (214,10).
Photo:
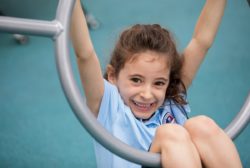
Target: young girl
(144,93)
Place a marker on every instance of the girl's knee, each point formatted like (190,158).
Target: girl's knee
(202,127)
(168,136)
(171,132)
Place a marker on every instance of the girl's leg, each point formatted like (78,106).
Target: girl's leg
(175,146)
(216,149)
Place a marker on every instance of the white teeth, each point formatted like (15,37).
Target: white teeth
(143,105)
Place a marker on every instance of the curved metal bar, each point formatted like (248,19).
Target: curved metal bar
(80,108)
(58,30)
(241,120)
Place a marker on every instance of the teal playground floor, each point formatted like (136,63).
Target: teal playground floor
(37,126)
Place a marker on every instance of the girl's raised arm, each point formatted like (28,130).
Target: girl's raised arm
(88,63)
(203,37)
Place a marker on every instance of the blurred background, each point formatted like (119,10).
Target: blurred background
(38,128)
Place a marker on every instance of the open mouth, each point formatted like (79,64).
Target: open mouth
(143,106)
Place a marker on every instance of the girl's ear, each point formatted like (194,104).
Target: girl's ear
(111,74)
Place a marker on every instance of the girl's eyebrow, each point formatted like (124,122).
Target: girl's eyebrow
(140,76)
(162,78)
(136,75)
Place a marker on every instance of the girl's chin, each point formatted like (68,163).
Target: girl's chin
(143,115)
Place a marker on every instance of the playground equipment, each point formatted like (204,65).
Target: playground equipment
(58,30)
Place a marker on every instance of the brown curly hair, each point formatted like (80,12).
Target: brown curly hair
(140,38)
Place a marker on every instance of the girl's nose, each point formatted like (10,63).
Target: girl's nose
(146,93)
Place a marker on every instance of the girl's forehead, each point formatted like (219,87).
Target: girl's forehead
(150,57)
(147,64)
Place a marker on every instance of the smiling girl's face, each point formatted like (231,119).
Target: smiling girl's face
(143,82)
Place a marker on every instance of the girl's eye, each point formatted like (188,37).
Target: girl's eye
(136,80)
(160,83)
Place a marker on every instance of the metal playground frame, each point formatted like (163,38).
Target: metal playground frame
(58,30)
